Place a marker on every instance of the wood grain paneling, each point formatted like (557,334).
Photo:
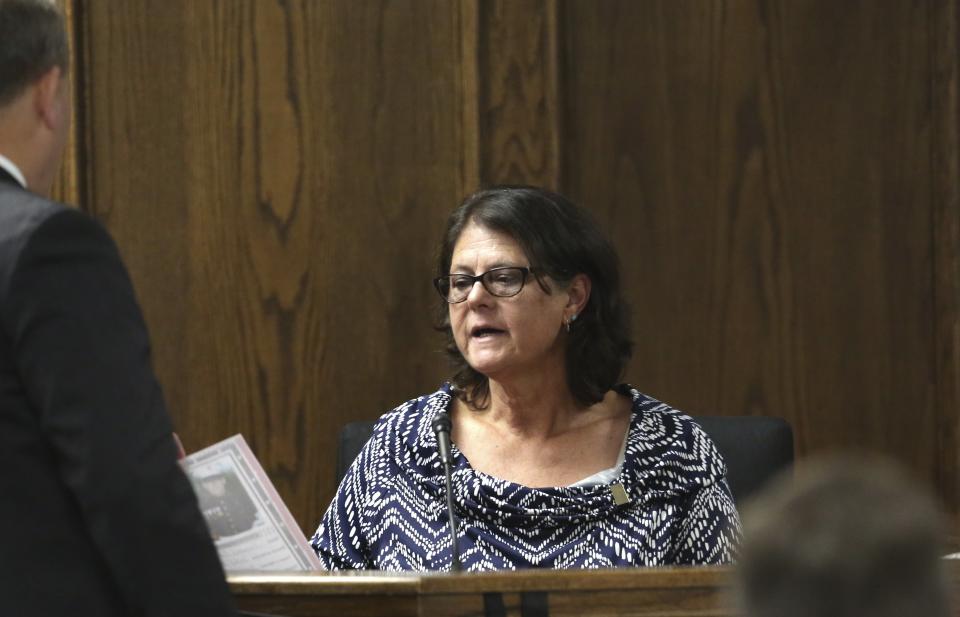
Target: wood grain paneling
(766,169)
(781,178)
(946,248)
(636,592)
(67,186)
(519,102)
(139,180)
(277,175)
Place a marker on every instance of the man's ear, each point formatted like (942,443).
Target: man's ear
(48,98)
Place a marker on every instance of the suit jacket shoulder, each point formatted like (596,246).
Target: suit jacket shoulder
(91,482)
(21,213)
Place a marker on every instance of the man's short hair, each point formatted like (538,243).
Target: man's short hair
(848,537)
(33,40)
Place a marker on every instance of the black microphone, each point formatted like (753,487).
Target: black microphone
(441,427)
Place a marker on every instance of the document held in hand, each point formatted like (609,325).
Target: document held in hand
(251,526)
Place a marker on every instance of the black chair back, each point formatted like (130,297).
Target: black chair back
(755,448)
(352,438)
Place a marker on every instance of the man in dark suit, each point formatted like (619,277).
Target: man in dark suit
(96,515)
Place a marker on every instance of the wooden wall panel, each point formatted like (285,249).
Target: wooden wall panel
(139,181)
(779,176)
(766,170)
(519,65)
(277,176)
(67,186)
(946,242)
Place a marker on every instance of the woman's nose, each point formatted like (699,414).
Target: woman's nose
(478,294)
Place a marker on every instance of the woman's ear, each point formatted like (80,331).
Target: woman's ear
(578,293)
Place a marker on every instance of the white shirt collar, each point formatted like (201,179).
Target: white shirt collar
(13,170)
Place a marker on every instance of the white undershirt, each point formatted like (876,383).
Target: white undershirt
(13,170)
(606,476)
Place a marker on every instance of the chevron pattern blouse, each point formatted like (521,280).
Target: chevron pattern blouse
(390,510)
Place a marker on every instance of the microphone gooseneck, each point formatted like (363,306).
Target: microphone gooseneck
(441,427)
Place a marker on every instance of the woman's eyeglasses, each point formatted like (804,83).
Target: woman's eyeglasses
(501,282)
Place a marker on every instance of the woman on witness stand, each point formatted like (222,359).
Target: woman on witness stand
(554,463)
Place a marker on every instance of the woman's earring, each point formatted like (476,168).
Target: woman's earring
(570,320)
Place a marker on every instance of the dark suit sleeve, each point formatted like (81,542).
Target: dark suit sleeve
(83,355)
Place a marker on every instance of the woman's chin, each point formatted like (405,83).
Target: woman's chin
(487,365)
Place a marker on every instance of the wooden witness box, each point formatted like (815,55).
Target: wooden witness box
(660,592)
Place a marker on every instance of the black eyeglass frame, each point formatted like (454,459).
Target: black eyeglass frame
(438,282)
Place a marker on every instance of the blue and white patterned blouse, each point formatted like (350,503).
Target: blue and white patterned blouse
(390,510)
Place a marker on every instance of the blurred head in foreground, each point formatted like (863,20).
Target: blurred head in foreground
(847,537)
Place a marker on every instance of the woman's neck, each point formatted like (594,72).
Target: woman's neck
(535,406)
